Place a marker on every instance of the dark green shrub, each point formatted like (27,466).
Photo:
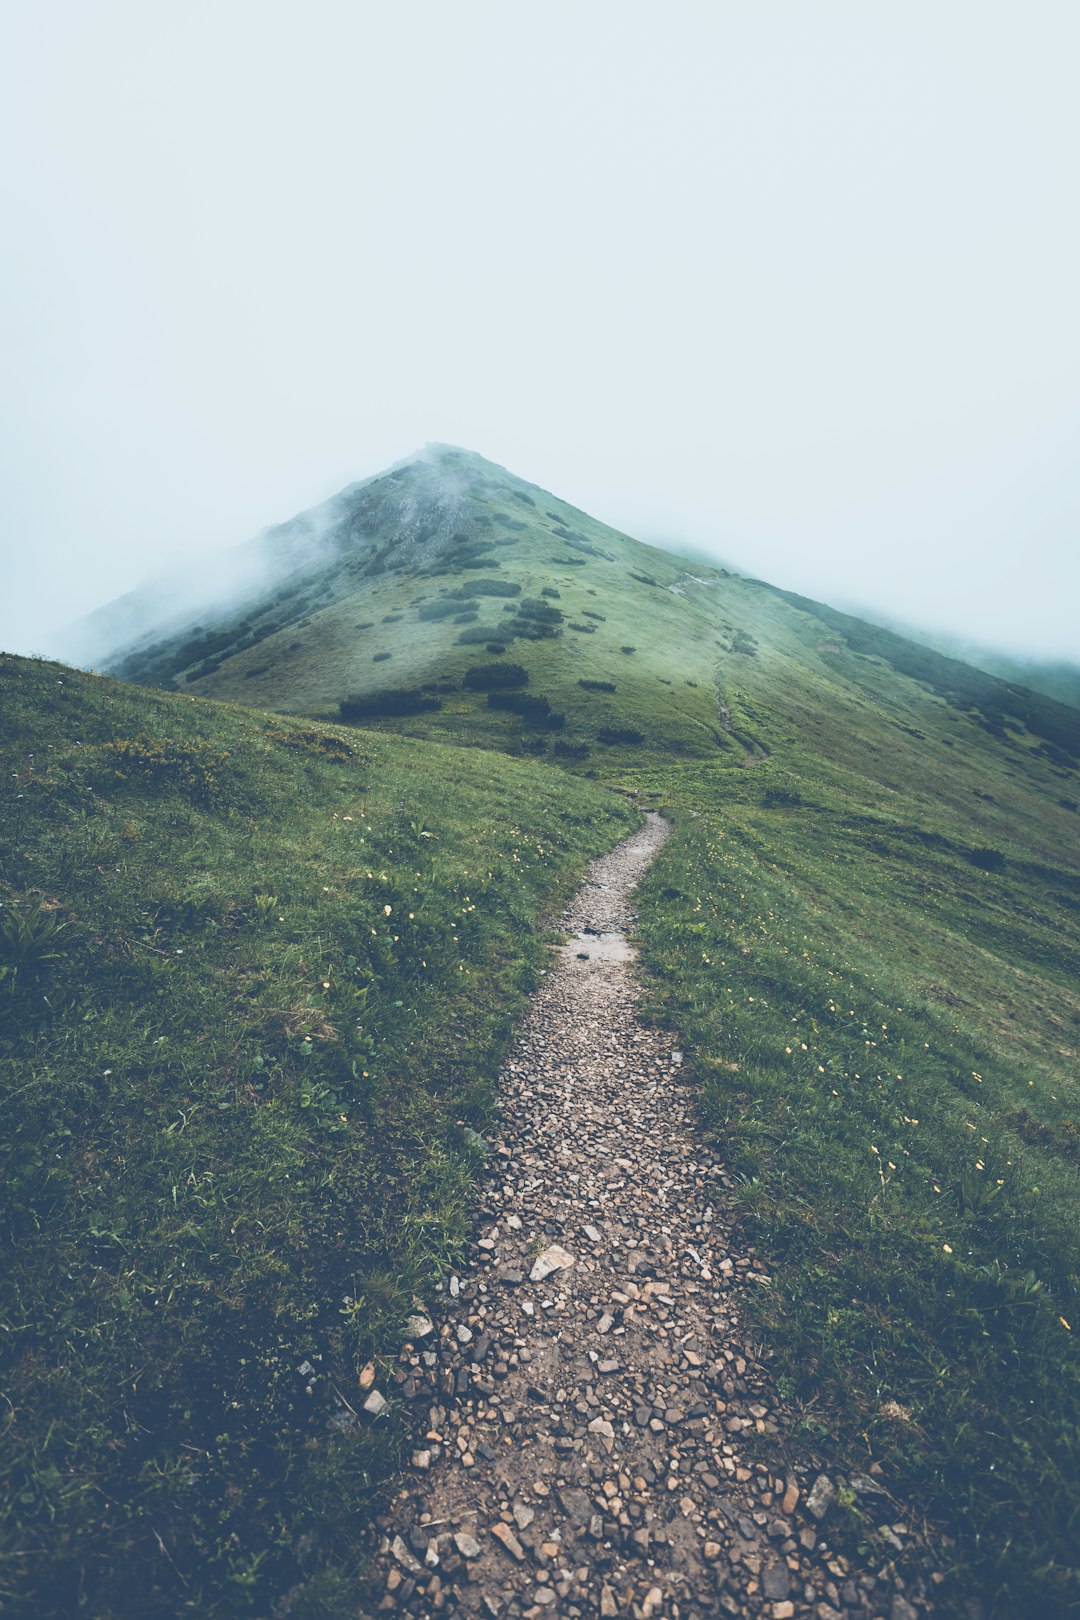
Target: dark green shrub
(644,579)
(495,677)
(587,613)
(466,618)
(495,646)
(597,686)
(550,590)
(488,587)
(388,701)
(530,706)
(380,658)
(628,649)
(391,618)
(620,734)
(446,608)
(987,860)
(474,635)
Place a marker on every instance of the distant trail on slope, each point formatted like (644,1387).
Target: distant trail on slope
(590,1387)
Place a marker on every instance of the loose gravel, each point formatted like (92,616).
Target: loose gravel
(596,1417)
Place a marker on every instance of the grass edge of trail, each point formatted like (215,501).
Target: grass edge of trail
(917,1308)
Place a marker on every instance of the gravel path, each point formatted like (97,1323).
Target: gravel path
(593,1404)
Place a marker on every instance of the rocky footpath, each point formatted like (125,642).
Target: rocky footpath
(601,1438)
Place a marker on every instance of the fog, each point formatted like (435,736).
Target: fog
(794,284)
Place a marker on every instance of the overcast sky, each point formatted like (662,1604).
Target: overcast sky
(796,282)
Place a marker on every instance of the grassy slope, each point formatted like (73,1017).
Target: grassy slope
(886,1039)
(237,1103)
(310,668)
(823,888)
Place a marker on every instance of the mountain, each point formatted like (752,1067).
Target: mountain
(437,693)
(401,584)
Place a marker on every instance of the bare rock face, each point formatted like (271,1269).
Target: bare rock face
(588,1403)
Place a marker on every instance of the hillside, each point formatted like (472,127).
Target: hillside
(255,981)
(865,930)
(1054,677)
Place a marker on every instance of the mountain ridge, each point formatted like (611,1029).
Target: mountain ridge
(523,565)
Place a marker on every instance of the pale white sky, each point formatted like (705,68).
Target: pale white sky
(793,281)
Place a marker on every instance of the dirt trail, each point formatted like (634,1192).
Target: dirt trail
(590,1391)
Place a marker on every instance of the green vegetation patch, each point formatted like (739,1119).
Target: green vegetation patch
(495,677)
(388,700)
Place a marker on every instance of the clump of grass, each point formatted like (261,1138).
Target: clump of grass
(194,769)
(323,744)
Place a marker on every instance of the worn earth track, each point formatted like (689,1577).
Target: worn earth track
(595,1414)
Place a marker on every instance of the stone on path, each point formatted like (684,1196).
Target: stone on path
(553,1258)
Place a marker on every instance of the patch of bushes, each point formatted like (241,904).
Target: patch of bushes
(495,677)
(583,629)
(474,635)
(380,658)
(466,618)
(488,587)
(550,590)
(587,613)
(391,618)
(628,649)
(596,686)
(644,579)
(253,674)
(495,646)
(568,562)
(987,860)
(620,734)
(530,706)
(364,624)
(446,608)
(388,701)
